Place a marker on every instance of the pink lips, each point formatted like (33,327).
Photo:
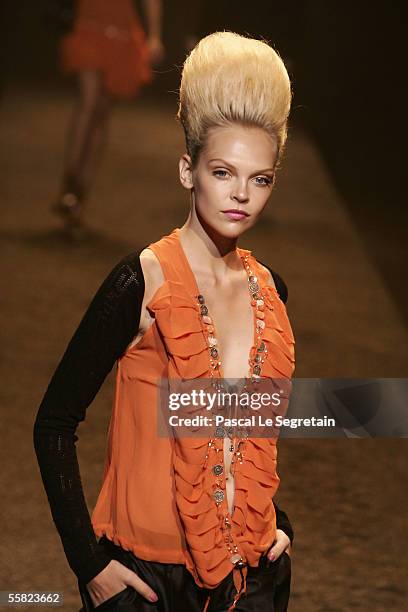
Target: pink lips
(234,214)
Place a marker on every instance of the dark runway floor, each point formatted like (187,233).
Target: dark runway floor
(346,498)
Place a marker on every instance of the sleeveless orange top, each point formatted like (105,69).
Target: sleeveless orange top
(157,494)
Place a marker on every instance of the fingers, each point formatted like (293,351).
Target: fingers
(281,544)
(156,49)
(113,579)
(141,587)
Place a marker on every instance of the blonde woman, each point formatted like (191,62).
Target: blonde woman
(185,524)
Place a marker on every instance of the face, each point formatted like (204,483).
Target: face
(234,172)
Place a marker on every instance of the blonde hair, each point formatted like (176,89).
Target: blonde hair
(231,78)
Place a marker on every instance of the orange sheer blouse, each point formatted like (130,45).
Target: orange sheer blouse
(157,494)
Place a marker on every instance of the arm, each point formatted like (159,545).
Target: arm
(153,12)
(282,520)
(108,326)
(283,523)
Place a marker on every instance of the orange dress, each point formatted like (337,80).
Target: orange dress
(107,36)
(157,495)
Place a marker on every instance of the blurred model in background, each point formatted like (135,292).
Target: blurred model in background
(112,55)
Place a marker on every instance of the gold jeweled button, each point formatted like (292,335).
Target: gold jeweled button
(214,352)
(219,432)
(218,495)
(235,558)
(201,298)
(203,310)
(261,347)
(257,369)
(218,469)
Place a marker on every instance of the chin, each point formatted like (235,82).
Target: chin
(230,229)
(238,227)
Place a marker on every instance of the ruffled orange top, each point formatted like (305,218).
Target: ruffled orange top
(108,36)
(157,495)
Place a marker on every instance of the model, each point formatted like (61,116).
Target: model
(112,57)
(185,523)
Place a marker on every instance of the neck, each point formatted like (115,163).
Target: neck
(208,251)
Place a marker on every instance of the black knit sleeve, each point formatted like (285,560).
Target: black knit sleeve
(283,522)
(106,329)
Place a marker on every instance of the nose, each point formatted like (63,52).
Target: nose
(240,192)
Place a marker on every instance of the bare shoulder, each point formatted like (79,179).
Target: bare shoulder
(152,272)
(153,279)
(269,276)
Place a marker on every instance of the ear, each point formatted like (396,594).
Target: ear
(186,171)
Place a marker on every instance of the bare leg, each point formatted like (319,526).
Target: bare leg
(92,151)
(83,145)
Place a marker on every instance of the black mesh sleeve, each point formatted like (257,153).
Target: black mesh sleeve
(283,523)
(106,329)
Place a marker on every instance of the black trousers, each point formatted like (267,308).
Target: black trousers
(268,587)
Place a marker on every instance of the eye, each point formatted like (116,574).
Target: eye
(264,181)
(220,173)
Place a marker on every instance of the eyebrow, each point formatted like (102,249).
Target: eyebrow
(232,166)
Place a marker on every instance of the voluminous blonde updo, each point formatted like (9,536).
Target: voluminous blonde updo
(230,78)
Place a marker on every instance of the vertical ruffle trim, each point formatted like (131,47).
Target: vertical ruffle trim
(253,522)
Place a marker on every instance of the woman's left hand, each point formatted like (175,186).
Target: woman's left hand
(156,49)
(281,545)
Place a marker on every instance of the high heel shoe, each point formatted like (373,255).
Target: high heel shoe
(70,208)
